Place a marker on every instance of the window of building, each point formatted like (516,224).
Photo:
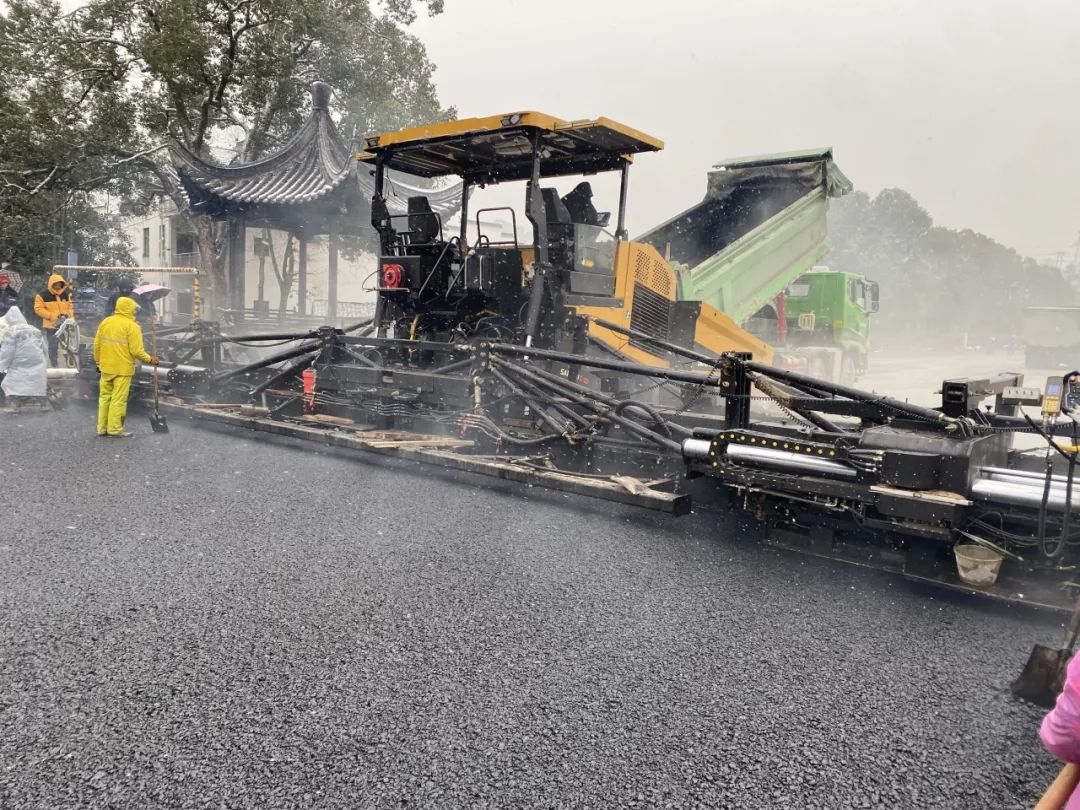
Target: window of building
(185,243)
(161,240)
(146,243)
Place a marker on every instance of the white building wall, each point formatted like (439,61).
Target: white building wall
(157,240)
(356,280)
(153,239)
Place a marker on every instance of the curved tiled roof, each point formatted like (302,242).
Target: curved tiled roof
(310,169)
(311,165)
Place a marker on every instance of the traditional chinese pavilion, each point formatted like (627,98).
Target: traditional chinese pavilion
(312,186)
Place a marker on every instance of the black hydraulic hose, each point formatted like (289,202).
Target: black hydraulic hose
(534,389)
(277,409)
(402,344)
(453,240)
(289,370)
(186,356)
(819,421)
(674,348)
(261,338)
(1042,506)
(504,436)
(649,411)
(452,366)
(777,394)
(798,380)
(611,365)
(231,374)
(603,347)
(536,299)
(547,418)
(1034,425)
(357,326)
(569,384)
(1066,518)
(611,402)
(803,390)
(359,357)
(629,424)
(173,330)
(1041,524)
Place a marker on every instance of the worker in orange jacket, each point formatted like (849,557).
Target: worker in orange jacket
(117,345)
(52,305)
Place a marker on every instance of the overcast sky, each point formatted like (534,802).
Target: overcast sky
(971,105)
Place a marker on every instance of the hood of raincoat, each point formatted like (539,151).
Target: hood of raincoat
(14,318)
(126,307)
(54,279)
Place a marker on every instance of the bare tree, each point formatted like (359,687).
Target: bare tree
(284,270)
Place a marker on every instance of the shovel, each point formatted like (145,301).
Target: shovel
(1044,673)
(1060,789)
(157,420)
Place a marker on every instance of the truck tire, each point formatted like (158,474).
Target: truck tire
(820,368)
(848,373)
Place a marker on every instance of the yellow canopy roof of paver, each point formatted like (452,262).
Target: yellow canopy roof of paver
(498,148)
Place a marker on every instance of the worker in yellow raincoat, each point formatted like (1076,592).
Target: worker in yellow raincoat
(117,345)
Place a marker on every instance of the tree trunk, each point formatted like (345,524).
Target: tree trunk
(210,235)
(284,271)
(287,273)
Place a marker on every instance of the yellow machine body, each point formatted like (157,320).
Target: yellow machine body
(647,283)
(501,148)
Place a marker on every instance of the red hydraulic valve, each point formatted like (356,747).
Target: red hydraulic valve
(392,276)
(309,389)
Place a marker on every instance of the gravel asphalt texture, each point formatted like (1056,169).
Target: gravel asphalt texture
(211,619)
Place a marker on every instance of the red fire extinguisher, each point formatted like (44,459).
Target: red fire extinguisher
(309,390)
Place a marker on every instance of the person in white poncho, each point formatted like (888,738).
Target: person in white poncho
(22,362)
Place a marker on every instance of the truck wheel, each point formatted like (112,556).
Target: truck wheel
(820,368)
(847,370)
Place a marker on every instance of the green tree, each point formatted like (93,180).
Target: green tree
(229,77)
(936,283)
(60,153)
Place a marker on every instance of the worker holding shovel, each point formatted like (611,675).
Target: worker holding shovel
(117,345)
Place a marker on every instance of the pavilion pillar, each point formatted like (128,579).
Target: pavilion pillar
(332,280)
(301,280)
(237,262)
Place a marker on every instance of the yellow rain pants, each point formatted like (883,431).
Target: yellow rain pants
(113,392)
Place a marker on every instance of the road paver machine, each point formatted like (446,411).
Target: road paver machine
(564,357)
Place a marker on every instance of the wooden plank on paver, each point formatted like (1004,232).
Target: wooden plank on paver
(439,450)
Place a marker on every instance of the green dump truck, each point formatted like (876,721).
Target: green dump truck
(751,249)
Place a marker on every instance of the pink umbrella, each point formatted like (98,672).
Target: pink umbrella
(152,292)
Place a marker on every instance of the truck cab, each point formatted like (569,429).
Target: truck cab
(832,308)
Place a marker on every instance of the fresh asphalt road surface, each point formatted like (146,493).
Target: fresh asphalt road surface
(208,619)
